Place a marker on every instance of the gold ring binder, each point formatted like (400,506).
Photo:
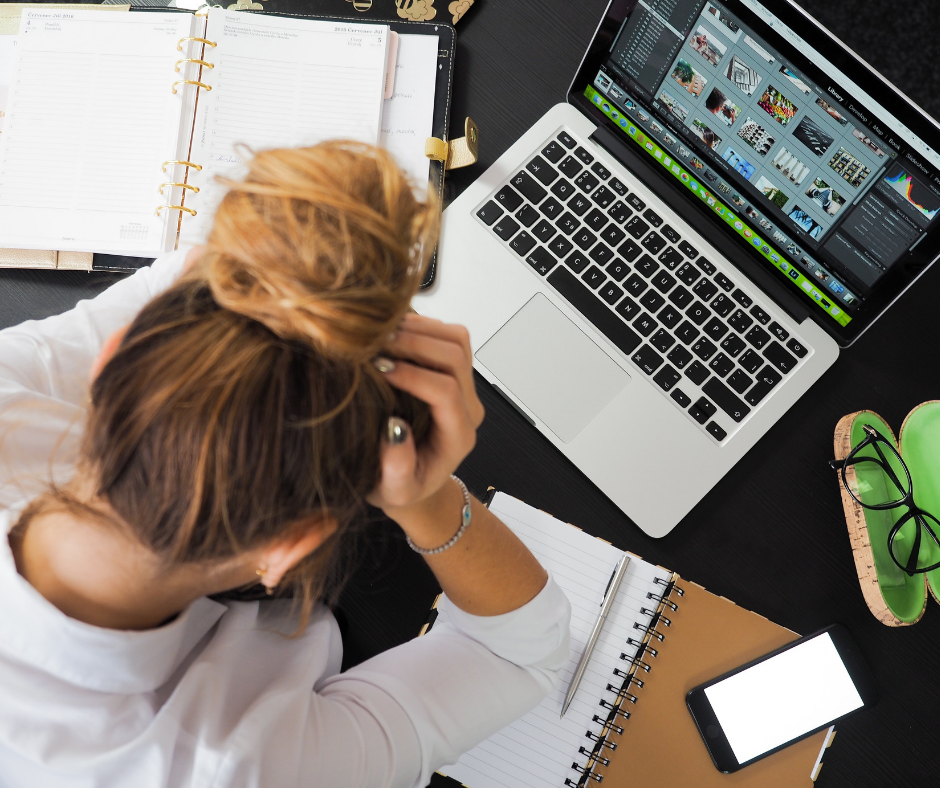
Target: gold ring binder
(190,211)
(193,189)
(195,82)
(205,41)
(196,167)
(205,63)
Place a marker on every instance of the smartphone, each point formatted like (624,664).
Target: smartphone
(784,696)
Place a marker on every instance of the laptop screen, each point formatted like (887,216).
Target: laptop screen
(833,187)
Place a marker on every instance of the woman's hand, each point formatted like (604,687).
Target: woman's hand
(435,364)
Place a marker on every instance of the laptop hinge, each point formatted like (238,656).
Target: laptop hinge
(675,197)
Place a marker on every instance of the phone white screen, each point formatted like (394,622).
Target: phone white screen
(783,697)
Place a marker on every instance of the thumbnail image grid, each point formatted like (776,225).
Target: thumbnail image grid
(771,192)
(778,106)
(800,84)
(825,196)
(737,162)
(707,44)
(805,222)
(705,134)
(850,169)
(733,30)
(689,78)
(722,107)
(742,76)
(813,137)
(790,166)
(868,142)
(831,111)
(679,110)
(755,135)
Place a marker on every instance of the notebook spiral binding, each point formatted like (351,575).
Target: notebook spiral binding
(629,682)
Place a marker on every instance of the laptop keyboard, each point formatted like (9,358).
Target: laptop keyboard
(705,337)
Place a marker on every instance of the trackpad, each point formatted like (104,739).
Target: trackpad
(553,367)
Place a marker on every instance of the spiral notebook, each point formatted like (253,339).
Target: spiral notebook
(628,724)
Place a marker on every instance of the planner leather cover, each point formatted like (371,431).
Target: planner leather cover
(660,746)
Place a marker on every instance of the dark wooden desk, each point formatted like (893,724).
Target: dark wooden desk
(771,535)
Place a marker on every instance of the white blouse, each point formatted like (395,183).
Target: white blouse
(220,697)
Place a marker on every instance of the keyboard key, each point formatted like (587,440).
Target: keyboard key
(767,378)
(733,345)
(636,202)
(584,238)
(662,340)
(635,286)
(688,250)
(679,356)
(670,233)
(751,361)
(612,234)
(739,381)
(796,348)
(703,349)
(628,308)
(489,213)
(715,329)
(740,322)
(779,331)
(726,399)
(636,227)
(579,204)
(617,270)
(687,333)
(601,254)
(595,310)
(527,215)
(688,273)
(757,337)
(551,208)
(542,170)
(724,282)
(593,277)
(566,139)
(698,313)
(652,301)
(522,244)
(560,246)
(619,212)
(553,152)
(652,217)
(629,250)
(582,154)
(646,265)
(670,316)
(722,304)
(595,220)
(618,187)
(563,189)
(681,397)
(653,242)
(586,182)
(779,357)
(721,365)
(603,196)
(702,411)
(570,167)
(508,198)
(610,293)
(543,231)
(681,297)
(705,289)
(742,298)
(760,315)
(697,372)
(600,171)
(506,228)
(567,223)
(647,359)
(577,262)
(670,257)
(715,431)
(525,184)
(644,324)
(541,260)
(706,266)
(666,378)
(663,282)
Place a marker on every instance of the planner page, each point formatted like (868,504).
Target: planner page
(537,751)
(90,118)
(279,82)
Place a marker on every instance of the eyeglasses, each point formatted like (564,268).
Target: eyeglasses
(910,548)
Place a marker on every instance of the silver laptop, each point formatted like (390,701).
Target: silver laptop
(661,266)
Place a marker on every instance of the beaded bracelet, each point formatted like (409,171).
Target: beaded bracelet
(464,522)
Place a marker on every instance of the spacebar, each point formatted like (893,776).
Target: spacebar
(589,305)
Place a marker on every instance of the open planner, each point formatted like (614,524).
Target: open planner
(118,125)
(628,724)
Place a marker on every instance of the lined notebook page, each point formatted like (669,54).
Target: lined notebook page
(91,117)
(537,751)
(280,82)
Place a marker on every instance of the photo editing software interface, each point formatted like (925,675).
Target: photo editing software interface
(831,191)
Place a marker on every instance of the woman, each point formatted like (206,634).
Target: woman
(243,409)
